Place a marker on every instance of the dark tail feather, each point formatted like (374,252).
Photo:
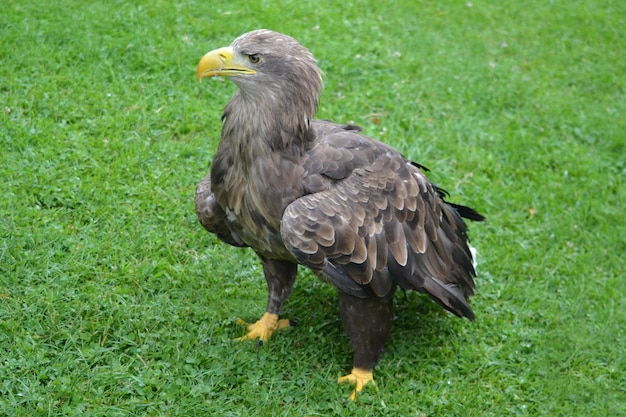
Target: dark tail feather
(420,166)
(467,212)
(464,211)
(449,297)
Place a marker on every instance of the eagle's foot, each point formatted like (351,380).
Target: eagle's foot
(359,378)
(264,328)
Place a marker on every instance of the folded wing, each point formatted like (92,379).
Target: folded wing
(377,223)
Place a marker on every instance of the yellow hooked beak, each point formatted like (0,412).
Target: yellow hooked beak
(221,62)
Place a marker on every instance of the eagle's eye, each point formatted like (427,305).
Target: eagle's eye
(254,58)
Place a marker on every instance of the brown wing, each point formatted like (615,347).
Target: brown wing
(379,223)
(211,215)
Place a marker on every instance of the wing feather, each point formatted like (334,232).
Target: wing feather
(378,222)
(211,215)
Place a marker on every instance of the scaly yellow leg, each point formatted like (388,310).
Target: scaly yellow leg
(264,328)
(359,378)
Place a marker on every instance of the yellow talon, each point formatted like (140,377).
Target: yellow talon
(358,377)
(264,328)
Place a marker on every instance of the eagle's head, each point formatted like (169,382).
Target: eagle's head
(270,69)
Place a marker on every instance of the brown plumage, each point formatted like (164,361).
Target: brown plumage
(320,194)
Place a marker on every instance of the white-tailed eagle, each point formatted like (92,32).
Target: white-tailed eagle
(301,191)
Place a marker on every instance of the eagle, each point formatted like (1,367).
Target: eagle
(302,191)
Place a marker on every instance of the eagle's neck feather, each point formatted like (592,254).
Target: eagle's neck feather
(258,125)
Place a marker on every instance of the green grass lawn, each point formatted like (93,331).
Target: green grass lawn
(115,302)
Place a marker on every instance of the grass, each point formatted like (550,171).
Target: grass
(114,302)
